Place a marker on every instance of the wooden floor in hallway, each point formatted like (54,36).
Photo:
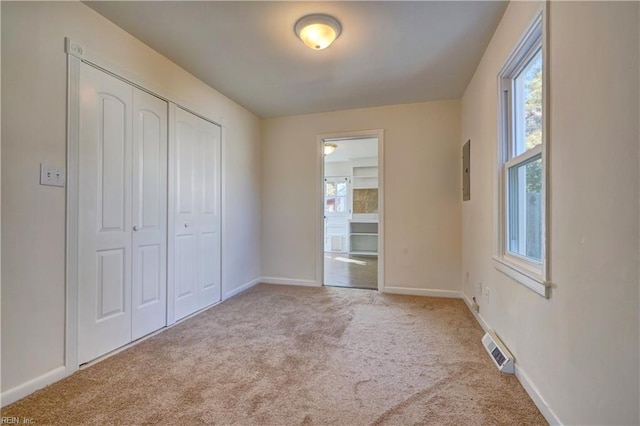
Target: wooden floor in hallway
(343,270)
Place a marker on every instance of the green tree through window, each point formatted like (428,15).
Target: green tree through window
(533,119)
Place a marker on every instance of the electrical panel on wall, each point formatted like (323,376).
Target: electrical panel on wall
(466,171)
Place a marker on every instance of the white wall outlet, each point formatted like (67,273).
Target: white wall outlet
(51,175)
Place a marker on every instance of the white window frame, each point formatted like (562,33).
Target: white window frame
(347,205)
(523,270)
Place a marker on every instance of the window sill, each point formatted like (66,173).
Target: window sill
(530,279)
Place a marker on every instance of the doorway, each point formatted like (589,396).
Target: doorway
(351,210)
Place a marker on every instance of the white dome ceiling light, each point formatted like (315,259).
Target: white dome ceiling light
(329,148)
(318,30)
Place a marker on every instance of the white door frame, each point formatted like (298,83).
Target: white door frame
(320,139)
(76,54)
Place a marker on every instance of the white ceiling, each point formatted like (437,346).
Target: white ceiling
(353,149)
(389,52)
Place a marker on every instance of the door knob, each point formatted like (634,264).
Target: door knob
(136,228)
(186,225)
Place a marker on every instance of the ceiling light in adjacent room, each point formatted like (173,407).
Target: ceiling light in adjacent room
(318,31)
(329,148)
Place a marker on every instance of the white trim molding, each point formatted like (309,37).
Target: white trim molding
(522,377)
(290,281)
(171,213)
(243,287)
(423,292)
(362,134)
(19,392)
(76,55)
(224,241)
(77,50)
(530,280)
(538,400)
(71,212)
(528,272)
(475,314)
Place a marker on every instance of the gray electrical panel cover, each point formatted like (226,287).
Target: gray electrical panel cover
(466,171)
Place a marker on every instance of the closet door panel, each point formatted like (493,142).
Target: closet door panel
(186,150)
(209,253)
(149,237)
(188,202)
(113,148)
(197,214)
(209,135)
(186,252)
(104,219)
(110,283)
(150,288)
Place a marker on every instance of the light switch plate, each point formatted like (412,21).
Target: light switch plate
(51,175)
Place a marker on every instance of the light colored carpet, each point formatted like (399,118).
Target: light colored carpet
(278,355)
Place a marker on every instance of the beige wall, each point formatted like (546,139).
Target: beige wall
(579,348)
(422,192)
(33,216)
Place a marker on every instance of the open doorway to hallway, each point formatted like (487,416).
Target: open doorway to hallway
(351,212)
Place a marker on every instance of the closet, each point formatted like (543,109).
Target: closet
(125,233)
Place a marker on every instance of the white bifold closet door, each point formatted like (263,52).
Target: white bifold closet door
(122,214)
(197,214)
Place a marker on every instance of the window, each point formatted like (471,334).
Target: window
(335,195)
(522,177)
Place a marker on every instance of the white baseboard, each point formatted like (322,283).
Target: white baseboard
(533,392)
(242,288)
(477,316)
(25,389)
(289,281)
(19,392)
(422,292)
(522,377)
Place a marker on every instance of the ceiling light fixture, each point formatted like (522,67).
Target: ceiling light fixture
(318,31)
(329,148)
